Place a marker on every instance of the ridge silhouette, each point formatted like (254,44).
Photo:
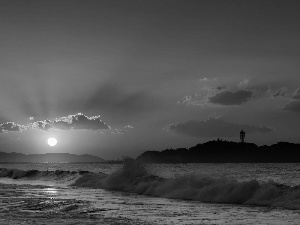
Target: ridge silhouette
(226,152)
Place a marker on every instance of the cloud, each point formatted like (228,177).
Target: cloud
(201,97)
(231,97)
(293,106)
(212,127)
(260,91)
(218,96)
(297,94)
(244,83)
(219,88)
(44,125)
(77,121)
(205,79)
(123,130)
(196,99)
(11,126)
(280,92)
(226,96)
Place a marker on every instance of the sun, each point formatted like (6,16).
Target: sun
(52,141)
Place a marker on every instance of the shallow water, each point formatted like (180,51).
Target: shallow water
(53,201)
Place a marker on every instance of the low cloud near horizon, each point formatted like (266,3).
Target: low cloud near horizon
(212,128)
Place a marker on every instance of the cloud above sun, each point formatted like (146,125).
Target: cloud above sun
(212,128)
(71,122)
(79,121)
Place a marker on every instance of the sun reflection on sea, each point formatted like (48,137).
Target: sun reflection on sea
(50,191)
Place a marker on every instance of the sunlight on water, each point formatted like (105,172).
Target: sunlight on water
(51,191)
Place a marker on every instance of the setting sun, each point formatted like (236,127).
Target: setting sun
(52,142)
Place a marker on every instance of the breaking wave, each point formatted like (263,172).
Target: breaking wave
(133,177)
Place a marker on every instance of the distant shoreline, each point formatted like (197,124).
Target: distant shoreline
(48,158)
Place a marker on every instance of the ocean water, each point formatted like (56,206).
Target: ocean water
(228,194)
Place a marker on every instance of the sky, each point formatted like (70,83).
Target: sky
(117,78)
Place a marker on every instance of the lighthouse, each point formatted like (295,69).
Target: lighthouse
(242,136)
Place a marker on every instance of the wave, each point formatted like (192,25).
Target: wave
(133,177)
(57,175)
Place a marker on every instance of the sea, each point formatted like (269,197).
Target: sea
(132,193)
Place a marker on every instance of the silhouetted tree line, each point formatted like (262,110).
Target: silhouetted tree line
(226,152)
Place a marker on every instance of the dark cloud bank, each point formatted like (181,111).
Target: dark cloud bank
(219,96)
(225,97)
(231,97)
(212,128)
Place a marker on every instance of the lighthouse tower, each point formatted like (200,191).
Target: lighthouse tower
(242,136)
